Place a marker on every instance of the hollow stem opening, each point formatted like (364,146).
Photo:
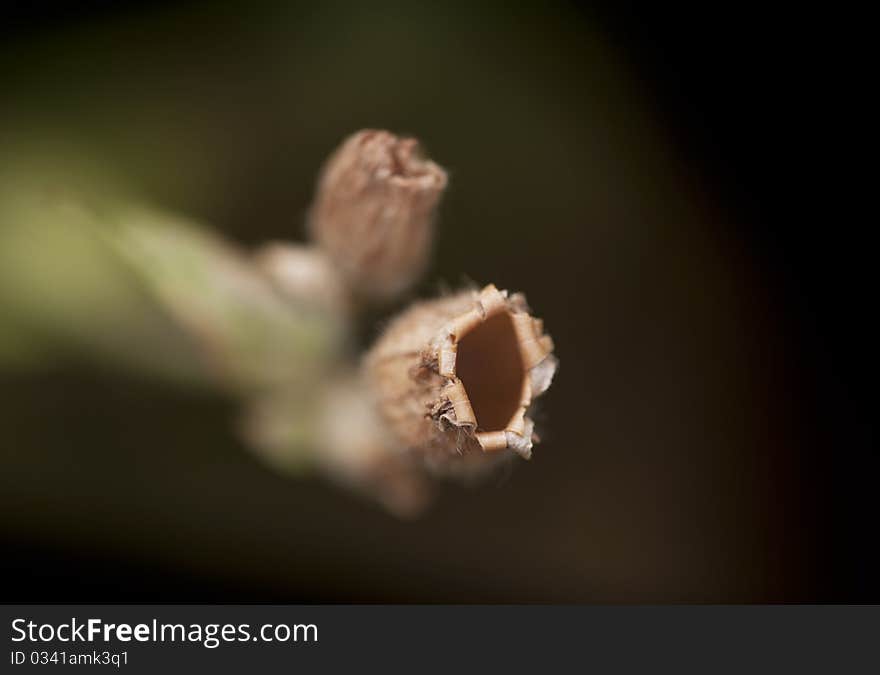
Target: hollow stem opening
(490,366)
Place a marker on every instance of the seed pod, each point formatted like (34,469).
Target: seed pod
(455,377)
(374,209)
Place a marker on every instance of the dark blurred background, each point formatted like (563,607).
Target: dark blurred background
(655,179)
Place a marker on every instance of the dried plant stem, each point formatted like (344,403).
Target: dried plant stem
(448,389)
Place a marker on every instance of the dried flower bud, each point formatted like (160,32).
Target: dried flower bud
(454,378)
(373,211)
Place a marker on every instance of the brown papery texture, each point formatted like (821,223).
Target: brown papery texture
(374,209)
(455,378)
